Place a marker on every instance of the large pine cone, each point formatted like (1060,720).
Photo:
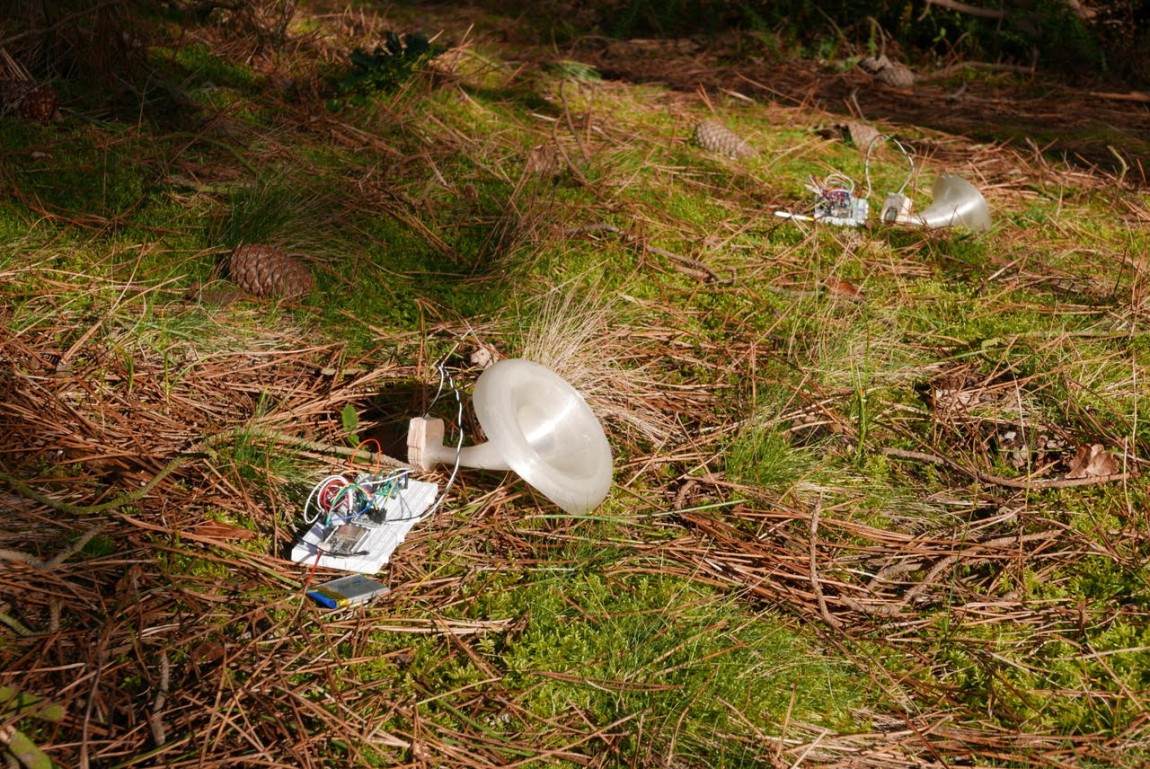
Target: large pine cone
(24,98)
(269,272)
(715,137)
(887,72)
(896,76)
(872,65)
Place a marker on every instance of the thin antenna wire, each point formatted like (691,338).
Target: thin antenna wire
(909,162)
(444,376)
(905,154)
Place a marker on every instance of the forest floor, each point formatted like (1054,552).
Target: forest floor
(879,492)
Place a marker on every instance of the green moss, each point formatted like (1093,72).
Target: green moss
(659,648)
(203,68)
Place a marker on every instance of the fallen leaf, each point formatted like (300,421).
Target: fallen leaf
(208,651)
(843,288)
(1092,461)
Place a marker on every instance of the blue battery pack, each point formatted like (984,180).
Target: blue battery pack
(347,591)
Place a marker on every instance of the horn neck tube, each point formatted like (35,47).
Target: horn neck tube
(425,449)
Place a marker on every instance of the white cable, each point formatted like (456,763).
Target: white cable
(906,154)
(442,377)
(330,479)
(458,446)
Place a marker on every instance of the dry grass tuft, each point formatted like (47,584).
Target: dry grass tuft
(582,338)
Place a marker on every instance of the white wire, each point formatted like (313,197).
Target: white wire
(458,445)
(906,154)
(331,478)
(910,162)
(442,376)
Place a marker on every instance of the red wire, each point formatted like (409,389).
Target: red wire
(377,462)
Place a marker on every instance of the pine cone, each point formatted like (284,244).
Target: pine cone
(863,136)
(715,137)
(872,65)
(269,272)
(896,76)
(24,98)
(888,72)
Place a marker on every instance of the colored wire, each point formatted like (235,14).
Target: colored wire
(376,462)
(356,498)
(349,492)
(316,494)
(369,485)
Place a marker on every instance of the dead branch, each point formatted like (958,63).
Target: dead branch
(24,749)
(13,624)
(62,22)
(1140,97)
(203,448)
(156,717)
(17,556)
(998,480)
(969,10)
(986,66)
(998,542)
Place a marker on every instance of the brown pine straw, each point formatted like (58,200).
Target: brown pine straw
(159,664)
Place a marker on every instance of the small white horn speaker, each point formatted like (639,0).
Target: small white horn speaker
(957,203)
(537,425)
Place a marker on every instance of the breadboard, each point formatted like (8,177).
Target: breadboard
(403,511)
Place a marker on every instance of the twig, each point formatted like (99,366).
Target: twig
(72,549)
(62,22)
(1136,96)
(101,664)
(998,480)
(203,447)
(322,448)
(24,749)
(156,717)
(815,585)
(942,565)
(124,499)
(14,624)
(571,125)
(690,266)
(876,610)
(18,556)
(893,608)
(990,66)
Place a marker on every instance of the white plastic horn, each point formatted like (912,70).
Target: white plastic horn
(957,203)
(537,425)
